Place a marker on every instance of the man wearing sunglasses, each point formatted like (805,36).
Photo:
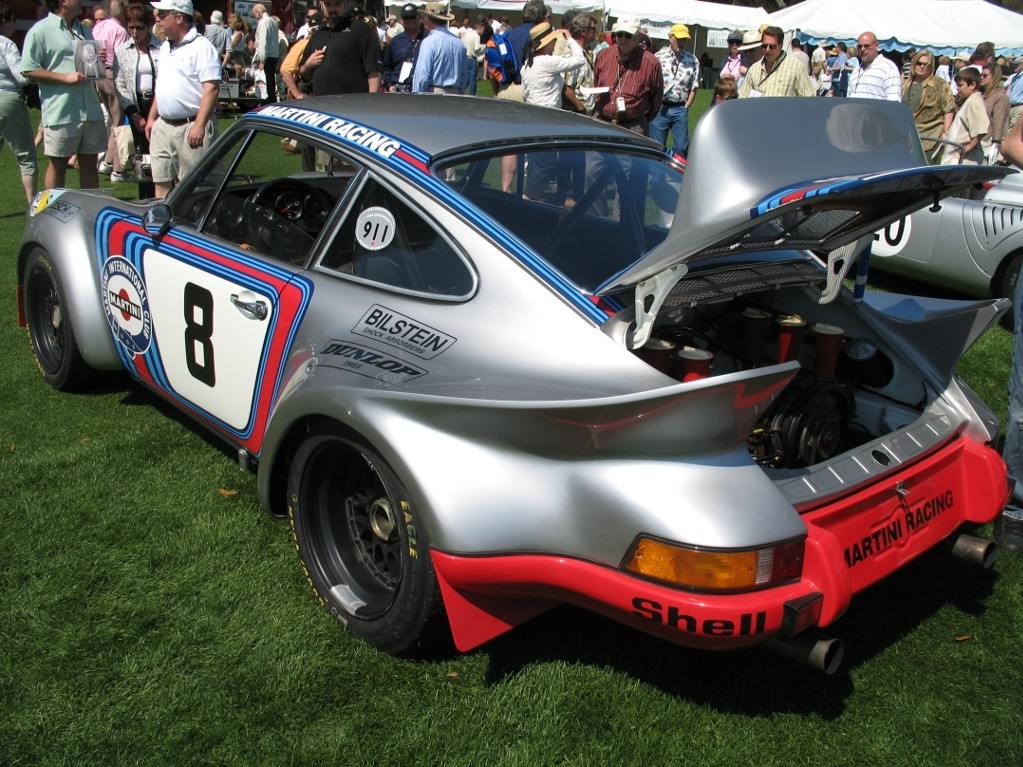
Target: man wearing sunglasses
(632,77)
(183,119)
(777,73)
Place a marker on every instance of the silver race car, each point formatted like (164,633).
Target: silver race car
(490,358)
(971,245)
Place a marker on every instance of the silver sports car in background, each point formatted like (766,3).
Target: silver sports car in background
(490,358)
(972,245)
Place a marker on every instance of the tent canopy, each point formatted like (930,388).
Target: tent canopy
(945,26)
(704,14)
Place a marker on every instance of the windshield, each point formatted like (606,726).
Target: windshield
(588,213)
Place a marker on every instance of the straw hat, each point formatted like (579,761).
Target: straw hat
(438,12)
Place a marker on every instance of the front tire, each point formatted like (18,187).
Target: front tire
(49,325)
(365,551)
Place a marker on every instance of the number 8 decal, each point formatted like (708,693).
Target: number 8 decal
(199,334)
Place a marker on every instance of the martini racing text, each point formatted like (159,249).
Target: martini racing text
(888,535)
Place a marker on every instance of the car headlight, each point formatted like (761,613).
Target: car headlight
(718,570)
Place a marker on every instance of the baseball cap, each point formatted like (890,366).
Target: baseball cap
(680,32)
(735,36)
(409,11)
(626,24)
(175,6)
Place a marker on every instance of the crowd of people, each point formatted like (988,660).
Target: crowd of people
(163,65)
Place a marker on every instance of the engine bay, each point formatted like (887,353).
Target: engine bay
(851,389)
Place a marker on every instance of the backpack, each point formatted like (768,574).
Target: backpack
(502,63)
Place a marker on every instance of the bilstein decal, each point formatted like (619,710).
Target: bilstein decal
(401,332)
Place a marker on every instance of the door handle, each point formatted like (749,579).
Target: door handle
(254,310)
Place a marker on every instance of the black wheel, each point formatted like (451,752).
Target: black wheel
(365,551)
(1007,286)
(49,325)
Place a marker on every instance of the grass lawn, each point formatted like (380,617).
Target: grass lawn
(151,614)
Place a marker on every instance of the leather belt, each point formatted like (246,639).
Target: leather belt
(177,123)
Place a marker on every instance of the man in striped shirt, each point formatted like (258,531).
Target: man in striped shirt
(877,77)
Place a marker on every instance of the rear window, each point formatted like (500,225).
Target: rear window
(588,213)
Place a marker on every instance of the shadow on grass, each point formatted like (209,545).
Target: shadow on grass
(754,682)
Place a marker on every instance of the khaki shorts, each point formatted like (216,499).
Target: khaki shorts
(170,155)
(513,92)
(68,140)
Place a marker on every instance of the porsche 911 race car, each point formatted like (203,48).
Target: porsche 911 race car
(970,245)
(490,358)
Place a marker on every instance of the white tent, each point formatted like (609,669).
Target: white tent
(514,7)
(945,26)
(704,14)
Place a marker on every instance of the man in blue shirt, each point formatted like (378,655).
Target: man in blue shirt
(401,53)
(440,66)
(1015,89)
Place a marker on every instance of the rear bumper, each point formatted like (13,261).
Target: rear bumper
(851,544)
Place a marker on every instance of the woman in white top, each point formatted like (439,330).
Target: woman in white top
(15,125)
(543,73)
(543,80)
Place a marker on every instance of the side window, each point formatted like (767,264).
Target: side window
(383,240)
(269,195)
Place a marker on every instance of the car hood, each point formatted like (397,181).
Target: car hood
(796,173)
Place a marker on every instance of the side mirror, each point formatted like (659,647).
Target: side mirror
(157,220)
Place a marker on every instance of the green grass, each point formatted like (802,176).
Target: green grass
(150,614)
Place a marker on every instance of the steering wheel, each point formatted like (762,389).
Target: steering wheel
(284,215)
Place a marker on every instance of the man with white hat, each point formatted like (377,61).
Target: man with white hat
(440,67)
(633,79)
(681,74)
(183,119)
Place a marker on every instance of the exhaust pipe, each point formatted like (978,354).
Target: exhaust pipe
(821,654)
(976,551)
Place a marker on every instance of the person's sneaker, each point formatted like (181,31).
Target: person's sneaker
(126,176)
(105,168)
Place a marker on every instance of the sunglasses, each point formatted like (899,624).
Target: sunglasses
(626,35)
(135,27)
(768,46)
(163,14)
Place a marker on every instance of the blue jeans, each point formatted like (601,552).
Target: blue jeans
(1013,451)
(676,120)
(473,69)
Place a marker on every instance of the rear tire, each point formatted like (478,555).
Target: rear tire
(365,551)
(49,325)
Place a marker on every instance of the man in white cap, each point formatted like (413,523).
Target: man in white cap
(440,67)
(681,74)
(183,119)
(632,76)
